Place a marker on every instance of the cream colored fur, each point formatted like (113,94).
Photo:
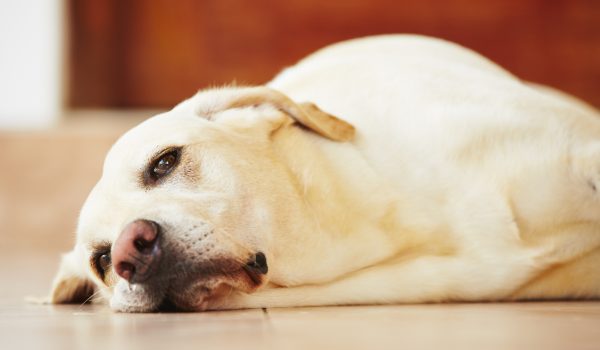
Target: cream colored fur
(461,183)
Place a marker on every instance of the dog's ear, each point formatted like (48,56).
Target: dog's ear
(307,114)
(71,284)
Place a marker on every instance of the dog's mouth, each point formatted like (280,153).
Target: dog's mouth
(206,294)
(203,288)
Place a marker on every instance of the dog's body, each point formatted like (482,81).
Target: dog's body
(461,184)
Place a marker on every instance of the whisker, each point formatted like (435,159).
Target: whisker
(96,293)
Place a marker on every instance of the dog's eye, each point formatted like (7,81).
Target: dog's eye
(104,262)
(164,164)
(101,261)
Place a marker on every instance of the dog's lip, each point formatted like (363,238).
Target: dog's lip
(254,276)
(199,299)
(200,294)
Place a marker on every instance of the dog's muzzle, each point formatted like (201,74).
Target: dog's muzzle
(152,264)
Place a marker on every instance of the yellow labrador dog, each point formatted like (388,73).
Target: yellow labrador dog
(390,169)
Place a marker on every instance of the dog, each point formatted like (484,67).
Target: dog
(387,169)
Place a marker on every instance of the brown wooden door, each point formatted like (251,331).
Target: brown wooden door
(154,53)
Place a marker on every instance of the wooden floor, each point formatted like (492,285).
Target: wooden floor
(564,325)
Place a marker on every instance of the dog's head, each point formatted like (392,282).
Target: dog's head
(191,204)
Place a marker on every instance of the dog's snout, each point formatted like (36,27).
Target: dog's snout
(136,253)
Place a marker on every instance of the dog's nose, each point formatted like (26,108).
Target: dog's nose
(136,252)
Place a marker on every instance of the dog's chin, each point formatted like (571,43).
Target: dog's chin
(136,298)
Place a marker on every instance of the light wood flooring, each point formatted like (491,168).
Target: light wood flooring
(555,325)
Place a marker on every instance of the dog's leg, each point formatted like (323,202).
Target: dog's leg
(489,263)
(576,279)
(562,265)
(425,279)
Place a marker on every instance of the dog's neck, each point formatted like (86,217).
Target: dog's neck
(352,219)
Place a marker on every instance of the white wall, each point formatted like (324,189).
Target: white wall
(31,62)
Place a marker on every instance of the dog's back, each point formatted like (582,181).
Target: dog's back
(470,152)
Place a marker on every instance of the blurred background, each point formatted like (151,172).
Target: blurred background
(131,54)
(74,74)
